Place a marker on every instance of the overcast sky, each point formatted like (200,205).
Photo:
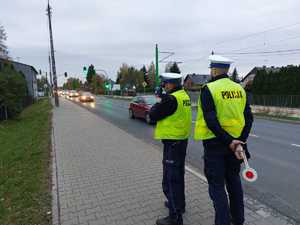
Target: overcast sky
(109,33)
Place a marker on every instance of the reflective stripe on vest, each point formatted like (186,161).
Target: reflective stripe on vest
(230,101)
(178,125)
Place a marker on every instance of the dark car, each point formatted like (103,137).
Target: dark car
(140,106)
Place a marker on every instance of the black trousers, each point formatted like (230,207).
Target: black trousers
(222,170)
(173,174)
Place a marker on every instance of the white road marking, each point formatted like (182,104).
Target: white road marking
(296,145)
(253,135)
(196,173)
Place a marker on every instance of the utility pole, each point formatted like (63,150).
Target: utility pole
(50,73)
(156,65)
(52,57)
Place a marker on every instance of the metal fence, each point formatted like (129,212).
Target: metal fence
(289,101)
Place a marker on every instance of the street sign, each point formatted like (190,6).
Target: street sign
(116,87)
(144,84)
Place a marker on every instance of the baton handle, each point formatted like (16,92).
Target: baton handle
(240,148)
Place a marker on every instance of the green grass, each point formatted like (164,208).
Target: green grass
(25,143)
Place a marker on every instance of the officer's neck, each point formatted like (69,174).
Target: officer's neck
(217,77)
(177,88)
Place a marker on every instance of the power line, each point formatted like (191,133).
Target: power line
(258,33)
(272,43)
(261,52)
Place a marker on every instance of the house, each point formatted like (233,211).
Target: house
(29,73)
(247,81)
(193,82)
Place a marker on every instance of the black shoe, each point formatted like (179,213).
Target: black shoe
(169,221)
(167,206)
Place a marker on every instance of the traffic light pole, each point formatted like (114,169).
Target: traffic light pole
(156,66)
(52,57)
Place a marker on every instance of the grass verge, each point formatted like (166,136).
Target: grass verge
(25,143)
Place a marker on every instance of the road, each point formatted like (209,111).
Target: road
(274,146)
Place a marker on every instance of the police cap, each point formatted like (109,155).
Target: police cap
(218,61)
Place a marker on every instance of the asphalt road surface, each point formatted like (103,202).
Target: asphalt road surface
(274,147)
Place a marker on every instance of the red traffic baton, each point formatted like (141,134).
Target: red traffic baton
(249,174)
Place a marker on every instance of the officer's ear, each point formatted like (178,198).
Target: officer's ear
(213,71)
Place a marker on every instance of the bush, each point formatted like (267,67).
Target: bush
(13,89)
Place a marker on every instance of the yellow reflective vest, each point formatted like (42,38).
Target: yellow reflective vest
(230,101)
(178,125)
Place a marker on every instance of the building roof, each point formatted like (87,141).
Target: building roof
(20,64)
(198,78)
(257,68)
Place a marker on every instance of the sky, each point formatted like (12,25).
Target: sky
(109,33)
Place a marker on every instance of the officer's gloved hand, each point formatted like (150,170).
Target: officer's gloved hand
(158,91)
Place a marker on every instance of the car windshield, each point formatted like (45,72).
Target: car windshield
(150,100)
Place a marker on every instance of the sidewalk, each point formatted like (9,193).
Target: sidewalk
(104,176)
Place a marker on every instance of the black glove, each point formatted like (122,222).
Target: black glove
(159,91)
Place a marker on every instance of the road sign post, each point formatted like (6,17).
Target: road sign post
(144,85)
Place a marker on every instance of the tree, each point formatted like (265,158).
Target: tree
(90,74)
(234,76)
(3,47)
(41,83)
(98,84)
(130,77)
(173,68)
(151,76)
(144,71)
(72,84)
(13,89)
(283,81)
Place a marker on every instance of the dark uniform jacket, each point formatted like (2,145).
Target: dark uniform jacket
(222,139)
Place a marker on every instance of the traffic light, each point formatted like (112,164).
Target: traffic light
(107,85)
(85,70)
(65,74)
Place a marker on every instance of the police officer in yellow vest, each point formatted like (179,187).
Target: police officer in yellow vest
(174,119)
(223,122)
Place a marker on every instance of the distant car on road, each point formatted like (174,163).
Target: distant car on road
(73,93)
(66,93)
(86,97)
(140,106)
(60,92)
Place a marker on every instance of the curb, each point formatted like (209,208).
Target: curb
(56,212)
(119,97)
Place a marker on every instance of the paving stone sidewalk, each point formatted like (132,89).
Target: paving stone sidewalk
(103,175)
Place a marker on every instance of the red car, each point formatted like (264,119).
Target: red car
(140,106)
